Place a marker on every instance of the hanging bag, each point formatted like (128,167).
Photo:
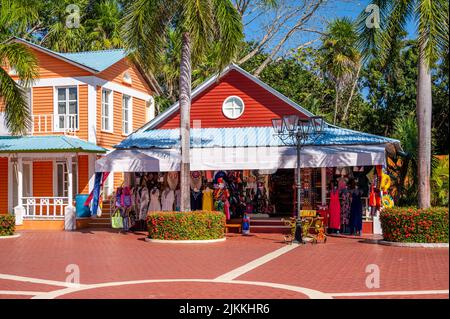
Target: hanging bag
(117,219)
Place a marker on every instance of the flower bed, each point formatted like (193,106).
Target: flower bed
(7,225)
(198,225)
(412,225)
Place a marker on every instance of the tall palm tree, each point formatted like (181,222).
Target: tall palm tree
(339,58)
(431,18)
(17,57)
(147,23)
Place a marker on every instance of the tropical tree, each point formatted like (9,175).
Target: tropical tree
(202,24)
(340,60)
(431,18)
(18,66)
(17,62)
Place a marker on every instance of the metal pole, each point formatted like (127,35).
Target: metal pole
(298,224)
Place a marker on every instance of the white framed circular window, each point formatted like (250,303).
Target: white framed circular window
(233,107)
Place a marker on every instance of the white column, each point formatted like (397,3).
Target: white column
(19,210)
(91,170)
(69,210)
(70,180)
(323,184)
(19,181)
(92,114)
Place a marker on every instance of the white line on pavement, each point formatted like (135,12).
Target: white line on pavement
(23,293)
(39,281)
(235,273)
(388,293)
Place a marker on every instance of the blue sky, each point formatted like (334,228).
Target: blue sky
(333,9)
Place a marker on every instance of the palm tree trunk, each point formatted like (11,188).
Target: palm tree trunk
(423,110)
(352,93)
(185,123)
(336,104)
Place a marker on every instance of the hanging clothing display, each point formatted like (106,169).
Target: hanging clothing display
(196,200)
(346,198)
(207,203)
(144,203)
(167,199)
(356,212)
(155,205)
(335,210)
(196,180)
(226,209)
(172,180)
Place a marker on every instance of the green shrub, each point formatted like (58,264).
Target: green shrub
(413,225)
(7,225)
(198,225)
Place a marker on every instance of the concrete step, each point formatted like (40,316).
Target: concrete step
(270,229)
(266,222)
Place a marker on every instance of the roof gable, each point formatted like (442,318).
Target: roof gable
(210,85)
(93,61)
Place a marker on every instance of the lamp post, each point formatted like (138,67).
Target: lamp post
(293,130)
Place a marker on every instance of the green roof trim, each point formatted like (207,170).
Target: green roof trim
(47,144)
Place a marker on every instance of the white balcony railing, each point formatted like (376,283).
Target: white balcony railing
(44,207)
(51,123)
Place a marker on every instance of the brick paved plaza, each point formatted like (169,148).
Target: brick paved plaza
(113,265)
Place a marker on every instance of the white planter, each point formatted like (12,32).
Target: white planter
(200,241)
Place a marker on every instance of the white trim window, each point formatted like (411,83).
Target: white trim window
(127,120)
(66,108)
(233,107)
(62,179)
(107,110)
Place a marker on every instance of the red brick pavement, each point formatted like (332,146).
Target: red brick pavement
(340,265)
(187,290)
(106,256)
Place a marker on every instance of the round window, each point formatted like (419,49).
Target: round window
(233,107)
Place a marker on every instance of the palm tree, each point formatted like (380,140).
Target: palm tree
(431,18)
(22,61)
(202,24)
(340,59)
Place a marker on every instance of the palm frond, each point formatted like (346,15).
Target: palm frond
(21,59)
(230,31)
(433,29)
(16,112)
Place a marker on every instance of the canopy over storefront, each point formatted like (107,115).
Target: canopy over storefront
(157,150)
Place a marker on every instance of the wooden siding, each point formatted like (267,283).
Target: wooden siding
(140,113)
(51,67)
(3,189)
(43,179)
(261,106)
(83,112)
(83,174)
(115,74)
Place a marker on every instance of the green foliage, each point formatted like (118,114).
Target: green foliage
(197,225)
(7,225)
(440,183)
(412,225)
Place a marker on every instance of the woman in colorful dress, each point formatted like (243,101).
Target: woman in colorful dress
(335,210)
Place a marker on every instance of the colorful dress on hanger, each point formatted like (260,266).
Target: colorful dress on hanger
(356,211)
(226,209)
(196,200)
(167,199)
(346,199)
(207,203)
(335,210)
(155,205)
(143,204)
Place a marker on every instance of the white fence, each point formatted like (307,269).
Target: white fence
(44,207)
(49,123)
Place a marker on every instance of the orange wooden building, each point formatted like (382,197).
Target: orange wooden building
(81,105)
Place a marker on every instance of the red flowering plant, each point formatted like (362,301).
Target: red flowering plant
(7,225)
(197,225)
(413,225)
